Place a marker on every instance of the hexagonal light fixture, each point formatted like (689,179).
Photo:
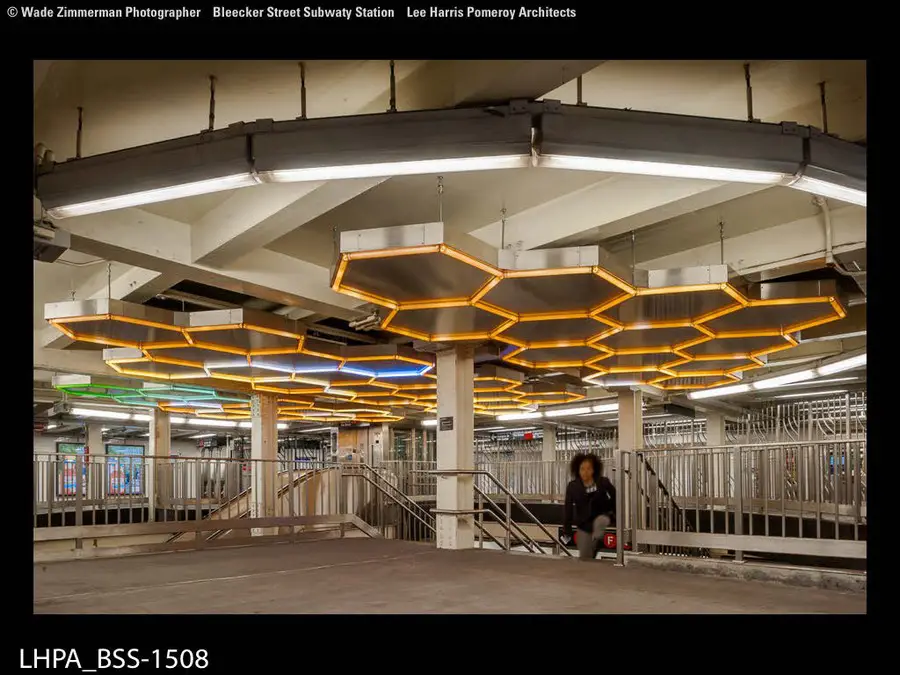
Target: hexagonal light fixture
(561,308)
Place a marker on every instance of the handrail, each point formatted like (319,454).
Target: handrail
(306,475)
(373,471)
(521,536)
(481,472)
(429,525)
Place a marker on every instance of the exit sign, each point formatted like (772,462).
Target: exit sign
(528,436)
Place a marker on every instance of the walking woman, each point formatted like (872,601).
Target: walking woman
(590,504)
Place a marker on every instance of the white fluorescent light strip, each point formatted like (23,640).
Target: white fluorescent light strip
(773,382)
(429,423)
(101,414)
(719,391)
(425,166)
(812,394)
(611,165)
(312,431)
(841,366)
(51,426)
(196,421)
(791,379)
(519,416)
(606,407)
(830,190)
(515,429)
(153,196)
(567,411)
(200,435)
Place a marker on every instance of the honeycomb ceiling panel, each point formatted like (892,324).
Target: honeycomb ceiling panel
(578,292)
(437,324)
(404,279)
(740,346)
(526,333)
(650,340)
(153,370)
(552,357)
(719,367)
(657,306)
(632,363)
(693,382)
(773,317)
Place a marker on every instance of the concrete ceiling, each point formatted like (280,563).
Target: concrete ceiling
(275,242)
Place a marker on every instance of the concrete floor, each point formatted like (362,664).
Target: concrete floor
(381,576)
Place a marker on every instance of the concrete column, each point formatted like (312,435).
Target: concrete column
(548,446)
(263,446)
(554,483)
(97,471)
(631,438)
(631,421)
(455,441)
(715,436)
(94,440)
(160,446)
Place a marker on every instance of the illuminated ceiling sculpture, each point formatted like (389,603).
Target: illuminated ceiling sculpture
(195,355)
(207,403)
(561,308)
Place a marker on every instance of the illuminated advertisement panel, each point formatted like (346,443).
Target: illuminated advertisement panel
(125,467)
(65,468)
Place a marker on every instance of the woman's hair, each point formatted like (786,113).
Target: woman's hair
(578,459)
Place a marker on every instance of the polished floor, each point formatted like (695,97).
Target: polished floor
(379,576)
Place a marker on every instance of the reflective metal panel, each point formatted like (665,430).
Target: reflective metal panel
(548,331)
(651,338)
(447,322)
(432,276)
(677,306)
(558,293)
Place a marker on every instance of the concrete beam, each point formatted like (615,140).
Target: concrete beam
(783,245)
(611,207)
(80,361)
(120,282)
(251,219)
(163,245)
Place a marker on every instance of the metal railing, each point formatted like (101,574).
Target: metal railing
(514,531)
(797,498)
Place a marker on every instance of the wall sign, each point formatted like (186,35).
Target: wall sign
(446,424)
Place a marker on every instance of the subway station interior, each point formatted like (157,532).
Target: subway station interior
(325,336)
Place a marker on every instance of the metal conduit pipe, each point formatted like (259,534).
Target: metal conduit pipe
(829,244)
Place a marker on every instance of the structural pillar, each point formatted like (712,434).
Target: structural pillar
(160,447)
(715,438)
(263,453)
(555,486)
(96,471)
(631,440)
(455,441)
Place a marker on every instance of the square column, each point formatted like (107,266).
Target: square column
(455,446)
(160,446)
(96,470)
(631,438)
(553,487)
(631,421)
(715,437)
(263,446)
